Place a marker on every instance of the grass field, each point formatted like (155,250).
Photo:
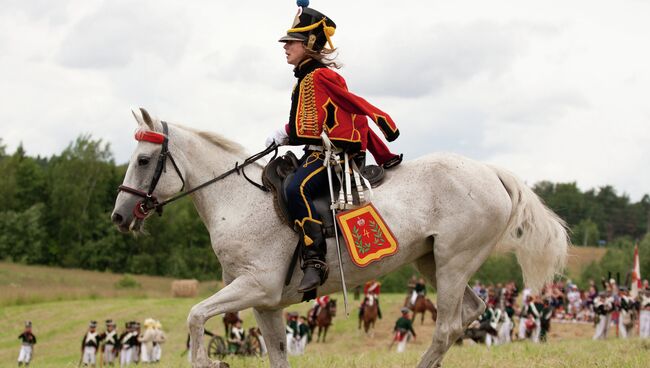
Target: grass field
(59,326)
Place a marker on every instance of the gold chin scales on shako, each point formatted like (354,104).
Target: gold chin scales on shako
(332,123)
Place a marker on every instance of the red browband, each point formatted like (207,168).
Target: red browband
(149,136)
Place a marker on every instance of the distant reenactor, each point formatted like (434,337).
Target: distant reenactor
(28,340)
(136,346)
(303,334)
(89,345)
(403,330)
(644,315)
(110,342)
(602,308)
(125,344)
(158,341)
(236,337)
(545,320)
(371,291)
(626,309)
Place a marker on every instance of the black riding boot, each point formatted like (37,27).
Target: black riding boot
(313,257)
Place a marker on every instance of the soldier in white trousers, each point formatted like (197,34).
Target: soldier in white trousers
(27,345)
(89,345)
(625,313)
(603,308)
(644,316)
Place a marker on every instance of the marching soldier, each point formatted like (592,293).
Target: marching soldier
(28,340)
(292,332)
(403,329)
(303,334)
(89,345)
(321,102)
(545,320)
(159,339)
(110,341)
(603,308)
(125,341)
(136,346)
(625,313)
(644,315)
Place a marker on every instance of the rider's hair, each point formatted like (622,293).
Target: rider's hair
(325,56)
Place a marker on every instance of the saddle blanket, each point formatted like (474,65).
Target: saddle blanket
(366,235)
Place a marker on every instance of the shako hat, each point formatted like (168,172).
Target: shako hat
(109,322)
(405,310)
(92,324)
(28,324)
(311,27)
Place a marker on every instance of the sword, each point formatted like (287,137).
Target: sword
(328,151)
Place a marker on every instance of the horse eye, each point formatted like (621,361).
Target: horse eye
(143,161)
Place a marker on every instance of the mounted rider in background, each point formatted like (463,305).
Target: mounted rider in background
(371,291)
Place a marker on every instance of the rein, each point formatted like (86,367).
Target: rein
(150,202)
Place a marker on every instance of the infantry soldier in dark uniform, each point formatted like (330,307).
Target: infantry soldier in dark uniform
(545,320)
(28,340)
(108,348)
(89,345)
(321,102)
(124,343)
(403,327)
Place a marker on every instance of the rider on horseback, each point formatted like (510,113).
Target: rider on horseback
(321,102)
(371,291)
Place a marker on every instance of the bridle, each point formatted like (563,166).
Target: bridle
(150,202)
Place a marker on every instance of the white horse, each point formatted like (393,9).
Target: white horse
(447,212)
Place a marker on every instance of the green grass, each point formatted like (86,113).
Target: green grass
(59,327)
(61,302)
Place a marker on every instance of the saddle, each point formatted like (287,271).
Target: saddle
(278,174)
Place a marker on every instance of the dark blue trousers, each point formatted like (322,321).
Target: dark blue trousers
(309,181)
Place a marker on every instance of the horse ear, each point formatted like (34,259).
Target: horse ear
(138,119)
(147,119)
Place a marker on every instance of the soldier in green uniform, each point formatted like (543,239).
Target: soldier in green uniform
(403,328)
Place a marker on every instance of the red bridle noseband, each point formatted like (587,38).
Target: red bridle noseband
(149,201)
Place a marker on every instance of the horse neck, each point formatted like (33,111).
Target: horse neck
(205,160)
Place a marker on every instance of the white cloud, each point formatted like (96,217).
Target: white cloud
(550,90)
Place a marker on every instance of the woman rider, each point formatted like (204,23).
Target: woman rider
(321,102)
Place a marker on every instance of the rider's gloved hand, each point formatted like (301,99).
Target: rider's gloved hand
(280,137)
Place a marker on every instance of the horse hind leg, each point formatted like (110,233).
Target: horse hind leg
(458,306)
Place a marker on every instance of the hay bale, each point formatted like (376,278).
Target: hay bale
(185,288)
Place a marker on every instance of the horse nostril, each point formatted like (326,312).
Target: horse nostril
(117,218)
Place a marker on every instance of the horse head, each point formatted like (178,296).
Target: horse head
(152,175)
(332,307)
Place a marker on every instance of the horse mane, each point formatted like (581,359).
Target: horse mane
(221,141)
(217,139)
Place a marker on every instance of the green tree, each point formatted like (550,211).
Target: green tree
(585,233)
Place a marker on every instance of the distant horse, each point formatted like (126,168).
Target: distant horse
(448,213)
(323,320)
(229,320)
(370,314)
(422,305)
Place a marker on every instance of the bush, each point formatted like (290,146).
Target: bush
(127,282)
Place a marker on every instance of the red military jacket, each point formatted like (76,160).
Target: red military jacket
(321,101)
(372,287)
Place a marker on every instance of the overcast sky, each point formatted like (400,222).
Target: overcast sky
(555,90)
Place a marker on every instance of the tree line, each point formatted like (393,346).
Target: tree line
(56,211)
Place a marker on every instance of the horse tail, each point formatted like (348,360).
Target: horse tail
(536,235)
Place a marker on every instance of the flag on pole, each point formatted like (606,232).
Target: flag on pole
(636,274)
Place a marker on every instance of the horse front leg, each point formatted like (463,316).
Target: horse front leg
(273,331)
(242,293)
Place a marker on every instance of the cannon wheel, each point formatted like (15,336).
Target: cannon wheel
(217,347)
